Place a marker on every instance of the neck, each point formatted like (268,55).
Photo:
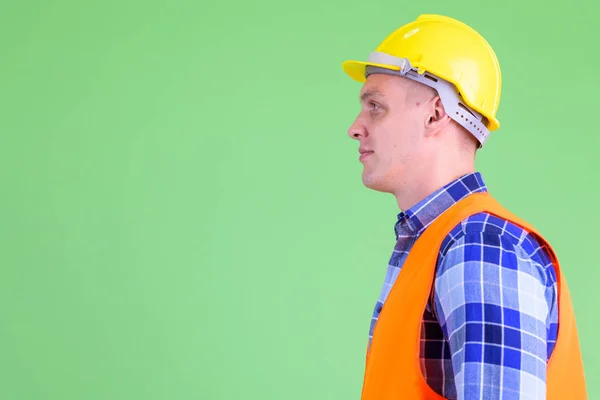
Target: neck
(431,179)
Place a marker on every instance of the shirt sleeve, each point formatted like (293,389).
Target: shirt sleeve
(490,299)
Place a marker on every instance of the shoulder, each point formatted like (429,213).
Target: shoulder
(493,260)
(488,238)
(486,227)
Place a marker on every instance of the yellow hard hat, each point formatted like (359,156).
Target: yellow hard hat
(451,57)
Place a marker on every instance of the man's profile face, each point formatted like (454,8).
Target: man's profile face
(389,126)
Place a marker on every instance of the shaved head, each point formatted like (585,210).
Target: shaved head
(416,92)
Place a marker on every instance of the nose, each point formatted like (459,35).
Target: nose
(358,129)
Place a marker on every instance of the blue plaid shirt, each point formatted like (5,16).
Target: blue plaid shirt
(493,321)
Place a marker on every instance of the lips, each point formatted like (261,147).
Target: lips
(364,153)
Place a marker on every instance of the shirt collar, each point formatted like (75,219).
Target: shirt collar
(414,220)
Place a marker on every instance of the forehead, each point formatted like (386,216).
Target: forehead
(381,85)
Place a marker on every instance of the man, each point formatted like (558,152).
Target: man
(474,305)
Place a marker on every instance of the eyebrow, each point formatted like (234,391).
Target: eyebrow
(370,93)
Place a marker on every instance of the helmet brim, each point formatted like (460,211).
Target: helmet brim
(356,69)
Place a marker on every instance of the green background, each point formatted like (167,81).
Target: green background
(182,211)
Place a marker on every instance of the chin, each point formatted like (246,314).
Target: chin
(376,183)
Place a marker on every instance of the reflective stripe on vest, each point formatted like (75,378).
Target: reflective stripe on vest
(393,359)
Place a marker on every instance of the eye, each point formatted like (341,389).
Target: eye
(373,106)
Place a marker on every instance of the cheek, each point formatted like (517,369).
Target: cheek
(398,140)
(401,149)
(396,129)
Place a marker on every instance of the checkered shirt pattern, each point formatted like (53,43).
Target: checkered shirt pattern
(493,322)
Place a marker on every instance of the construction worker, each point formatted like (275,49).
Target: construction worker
(474,304)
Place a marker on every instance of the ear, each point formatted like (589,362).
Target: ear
(436,117)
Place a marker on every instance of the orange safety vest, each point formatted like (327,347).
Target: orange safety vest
(393,366)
